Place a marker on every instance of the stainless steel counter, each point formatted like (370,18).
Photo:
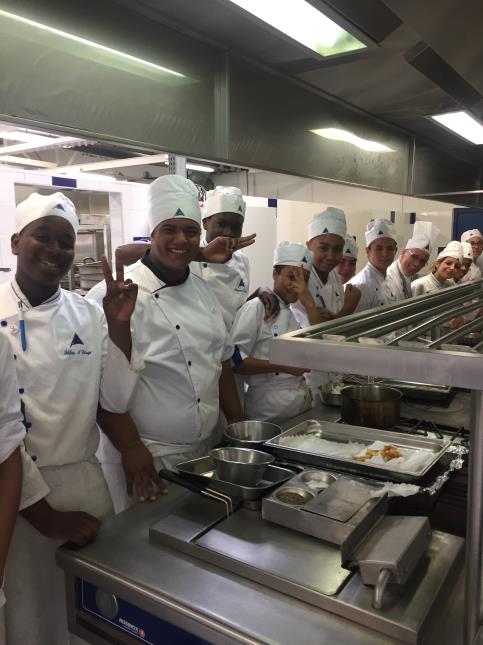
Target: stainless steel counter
(212,603)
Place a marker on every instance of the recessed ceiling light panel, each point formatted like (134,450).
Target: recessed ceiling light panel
(462,124)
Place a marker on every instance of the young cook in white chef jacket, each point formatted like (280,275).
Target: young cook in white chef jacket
(12,432)
(475,238)
(223,216)
(275,392)
(65,364)
(346,268)
(179,328)
(443,271)
(412,259)
(381,247)
(326,240)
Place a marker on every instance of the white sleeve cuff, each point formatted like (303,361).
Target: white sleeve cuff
(34,487)
(119,378)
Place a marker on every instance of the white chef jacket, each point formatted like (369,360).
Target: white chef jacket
(375,289)
(68,366)
(429,283)
(473,274)
(328,296)
(229,282)
(400,284)
(179,331)
(277,395)
(12,430)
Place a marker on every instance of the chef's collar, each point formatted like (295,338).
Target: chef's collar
(19,295)
(146,260)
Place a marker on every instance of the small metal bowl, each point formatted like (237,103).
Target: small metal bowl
(293,496)
(251,434)
(240,465)
(317,480)
(330,398)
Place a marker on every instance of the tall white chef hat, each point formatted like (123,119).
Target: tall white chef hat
(378,228)
(452,250)
(37,206)
(331,221)
(224,199)
(467,251)
(350,247)
(292,254)
(467,235)
(421,242)
(172,196)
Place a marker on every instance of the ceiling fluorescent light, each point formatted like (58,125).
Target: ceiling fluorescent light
(301,21)
(349,137)
(89,43)
(35,163)
(41,145)
(195,166)
(462,124)
(22,136)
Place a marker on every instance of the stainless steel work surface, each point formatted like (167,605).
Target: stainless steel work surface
(284,554)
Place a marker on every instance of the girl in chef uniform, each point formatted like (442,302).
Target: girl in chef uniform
(179,329)
(65,362)
(443,271)
(381,247)
(346,268)
(12,432)
(274,392)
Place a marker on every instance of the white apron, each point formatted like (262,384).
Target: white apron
(274,396)
(35,611)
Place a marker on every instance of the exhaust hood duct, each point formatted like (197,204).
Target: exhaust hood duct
(431,65)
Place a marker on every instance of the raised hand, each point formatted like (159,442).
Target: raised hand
(220,250)
(120,298)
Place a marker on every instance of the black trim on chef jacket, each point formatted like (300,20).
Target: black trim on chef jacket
(146,260)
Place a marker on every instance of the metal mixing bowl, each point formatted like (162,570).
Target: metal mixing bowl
(240,465)
(251,434)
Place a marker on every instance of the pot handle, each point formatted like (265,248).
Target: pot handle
(84,261)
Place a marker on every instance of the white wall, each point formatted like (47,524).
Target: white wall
(299,199)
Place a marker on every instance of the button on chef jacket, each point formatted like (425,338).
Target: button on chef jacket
(328,296)
(12,430)
(399,283)
(229,282)
(179,331)
(68,366)
(272,395)
(375,290)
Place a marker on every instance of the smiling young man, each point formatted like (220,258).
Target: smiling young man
(69,354)
(412,259)
(371,281)
(475,239)
(326,240)
(179,328)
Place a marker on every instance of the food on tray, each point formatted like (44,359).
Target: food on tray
(387,453)
(378,453)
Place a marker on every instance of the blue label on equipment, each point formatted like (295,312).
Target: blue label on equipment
(139,624)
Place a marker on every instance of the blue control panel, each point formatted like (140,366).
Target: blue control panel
(128,618)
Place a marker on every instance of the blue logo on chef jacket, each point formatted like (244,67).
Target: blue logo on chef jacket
(77,347)
(242,286)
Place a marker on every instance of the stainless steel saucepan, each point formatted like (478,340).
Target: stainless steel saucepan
(373,406)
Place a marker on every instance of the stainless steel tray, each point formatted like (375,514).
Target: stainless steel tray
(342,433)
(203,468)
